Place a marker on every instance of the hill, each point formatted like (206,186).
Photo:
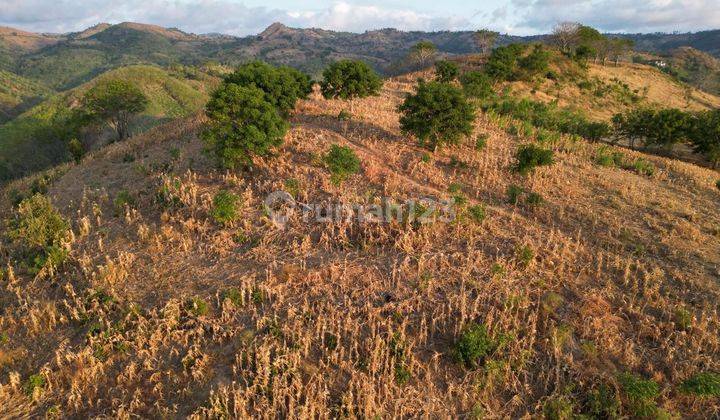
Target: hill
(604,285)
(32,140)
(18,94)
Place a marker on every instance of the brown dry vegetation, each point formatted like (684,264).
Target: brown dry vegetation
(326,317)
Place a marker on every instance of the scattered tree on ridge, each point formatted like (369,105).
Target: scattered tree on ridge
(115,102)
(422,52)
(485,40)
(437,114)
(283,86)
(565,35)
(349,79)
(242,124)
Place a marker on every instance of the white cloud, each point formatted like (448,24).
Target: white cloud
(202,16)
(621,15)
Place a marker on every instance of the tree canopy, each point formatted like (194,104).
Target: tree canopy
(350,79)
(437,114)
(115,102)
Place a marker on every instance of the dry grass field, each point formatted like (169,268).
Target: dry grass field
(163,313)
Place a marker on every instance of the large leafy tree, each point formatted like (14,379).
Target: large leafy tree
(350,79)
(705,135)
(242,124)
(282,86)
(437,114)
(114,102)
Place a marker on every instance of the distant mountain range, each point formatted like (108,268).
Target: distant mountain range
(64,61)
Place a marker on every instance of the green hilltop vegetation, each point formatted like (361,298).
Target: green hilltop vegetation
(18,94)
(38,138)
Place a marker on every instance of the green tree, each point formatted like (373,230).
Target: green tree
(446,71)
(437,114)
(115,102)
(668,127)
(533,64)
(242,124)
(705,135)
(502,64)
(477,85)
(349,79)
(422,52)
(283,86)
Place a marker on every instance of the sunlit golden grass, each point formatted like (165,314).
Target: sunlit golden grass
(162,312)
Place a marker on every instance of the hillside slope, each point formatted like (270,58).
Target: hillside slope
(162,312)
(18,94)
(30,141)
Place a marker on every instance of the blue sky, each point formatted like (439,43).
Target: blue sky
(245,17)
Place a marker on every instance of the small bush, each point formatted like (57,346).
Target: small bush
(122,199)
(344,115)
(39,229)
(446,71)
(513,193)
(683,319)
(481,142)
(33,383)
(292,186)
(198,307)
(717,184)
(603,403)
(473,346)
(342,162)
(640,393)
(525,255)
(477,213)
(558,408)
(224,209)
(76,149)
(705,384)
(534,199)
(642,167)
(530,157)
(234,296)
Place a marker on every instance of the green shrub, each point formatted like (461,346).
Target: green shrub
(34,382)
(225,207)
(513,193)
(282,86)
(122,199)
(76,149)
(502,63)
(530,157)
(477,213)
(198,307)
(344,115)
(534,64)
(558,408)
(349,79)
(474,346)
(292,186)
(683,319)
(342,162)
(446,71)
(242,124)
(234,296)
(643,167)
(481,142)
(534,199)
(39,229)
(705,384)
(603,403)
(525,255)
(476,84)
(640,393)
(437,114)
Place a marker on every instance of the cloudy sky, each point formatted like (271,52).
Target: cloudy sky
(244,17)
